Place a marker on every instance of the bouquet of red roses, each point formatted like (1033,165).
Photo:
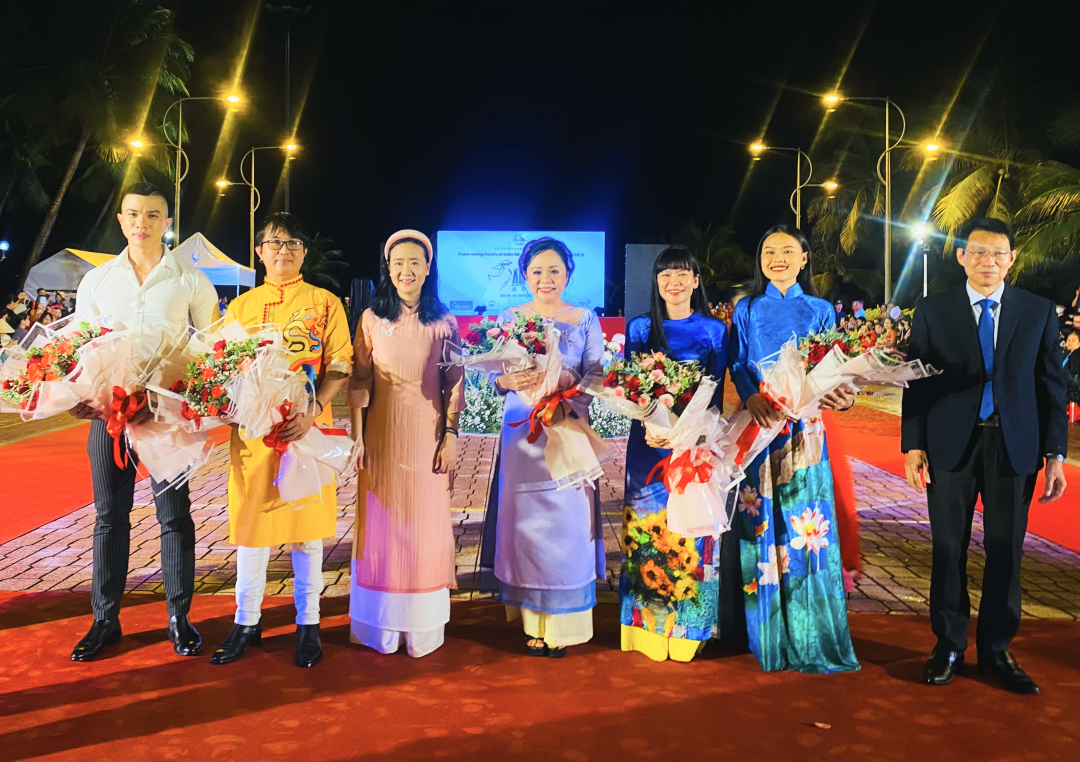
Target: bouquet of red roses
(795,380)
(205,385)
(42,380)
(673,399)
(493,347)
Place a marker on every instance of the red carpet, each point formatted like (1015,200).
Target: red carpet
(479,697)
(873,437)
(47,477)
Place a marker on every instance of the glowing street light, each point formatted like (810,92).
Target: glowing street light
(931,147)
(255,198)
(182,164)
(921,234)
(833,99)
(136,144)
(758,148)
(223,183)
(830,185)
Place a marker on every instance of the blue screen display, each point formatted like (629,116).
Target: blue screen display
(481,268)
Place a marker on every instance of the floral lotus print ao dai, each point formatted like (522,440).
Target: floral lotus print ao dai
(796,609)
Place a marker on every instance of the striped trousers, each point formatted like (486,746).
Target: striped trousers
(114,496)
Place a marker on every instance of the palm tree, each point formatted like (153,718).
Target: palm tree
(723,261)
(89,92)
(321,264)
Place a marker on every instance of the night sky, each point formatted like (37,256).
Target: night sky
(627,118)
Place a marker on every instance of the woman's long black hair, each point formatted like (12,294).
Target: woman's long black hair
(805,278)
(387,303)
(672,258)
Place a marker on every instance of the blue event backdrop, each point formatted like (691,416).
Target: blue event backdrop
(480,267)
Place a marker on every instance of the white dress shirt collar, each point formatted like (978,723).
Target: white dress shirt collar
(975,297)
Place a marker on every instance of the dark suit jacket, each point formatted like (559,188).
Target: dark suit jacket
(940,413)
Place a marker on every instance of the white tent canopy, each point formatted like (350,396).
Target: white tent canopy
(64,270)
(218,266)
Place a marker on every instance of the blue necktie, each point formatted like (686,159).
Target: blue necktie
(986,343)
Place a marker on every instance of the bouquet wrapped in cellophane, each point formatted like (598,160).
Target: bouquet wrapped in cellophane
(494,347)
(83,359)
(226,374)
(573,452)
(673,400)
(795,380)
(308,464)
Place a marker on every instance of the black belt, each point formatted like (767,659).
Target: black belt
(994,421)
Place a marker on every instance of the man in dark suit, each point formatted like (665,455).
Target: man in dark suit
(982,429)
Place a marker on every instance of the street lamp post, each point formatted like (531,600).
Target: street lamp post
(800,154)
(181,157)
(886,178)
(922,233)
(829,185)
(253,192)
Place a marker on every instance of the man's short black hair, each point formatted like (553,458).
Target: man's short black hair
(989,225)
(285,222)
(146,189)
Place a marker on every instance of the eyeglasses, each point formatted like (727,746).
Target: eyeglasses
(274,245)
(982,255)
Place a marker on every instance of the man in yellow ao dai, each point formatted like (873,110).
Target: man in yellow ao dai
(315,331)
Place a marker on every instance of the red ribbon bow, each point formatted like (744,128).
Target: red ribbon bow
(544,411)
(750,433)
(693,465)
(273,439)
(122,409)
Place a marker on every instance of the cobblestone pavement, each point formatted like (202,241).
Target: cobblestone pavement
(895,543)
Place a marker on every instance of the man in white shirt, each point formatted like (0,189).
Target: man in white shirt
(147,290)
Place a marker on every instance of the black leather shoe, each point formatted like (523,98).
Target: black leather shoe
(308,645)
(942,666)
(1013,678)
(184,637)
(240,638)
(103,633)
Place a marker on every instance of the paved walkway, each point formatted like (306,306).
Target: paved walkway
(895,543)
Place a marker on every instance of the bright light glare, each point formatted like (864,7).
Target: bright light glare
(137,143)
(233,99)
(832,98)
(4,246)
(831,185)
(931,147)
(291,147)
(757,147)
(920,231)
(168,235)
(222,183)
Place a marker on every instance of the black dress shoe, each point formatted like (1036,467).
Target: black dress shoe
(1013,678)
(942,666)
(240,638)
(184,637)
(103,633)
(308,645)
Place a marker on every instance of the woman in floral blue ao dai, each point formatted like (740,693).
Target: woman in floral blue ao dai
(796,609)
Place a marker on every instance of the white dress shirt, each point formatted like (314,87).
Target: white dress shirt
(174,294)
(995,309)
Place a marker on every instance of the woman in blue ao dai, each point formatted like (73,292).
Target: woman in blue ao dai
(549,547)
(669,587)
(796,609)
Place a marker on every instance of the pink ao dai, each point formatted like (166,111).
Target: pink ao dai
(403,541)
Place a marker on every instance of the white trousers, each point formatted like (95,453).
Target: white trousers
(417,644)
(251,563)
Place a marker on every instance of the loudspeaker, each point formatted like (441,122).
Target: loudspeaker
(361,295)
(639,264)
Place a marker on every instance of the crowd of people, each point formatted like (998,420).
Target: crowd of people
(773,582)
(22,311)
